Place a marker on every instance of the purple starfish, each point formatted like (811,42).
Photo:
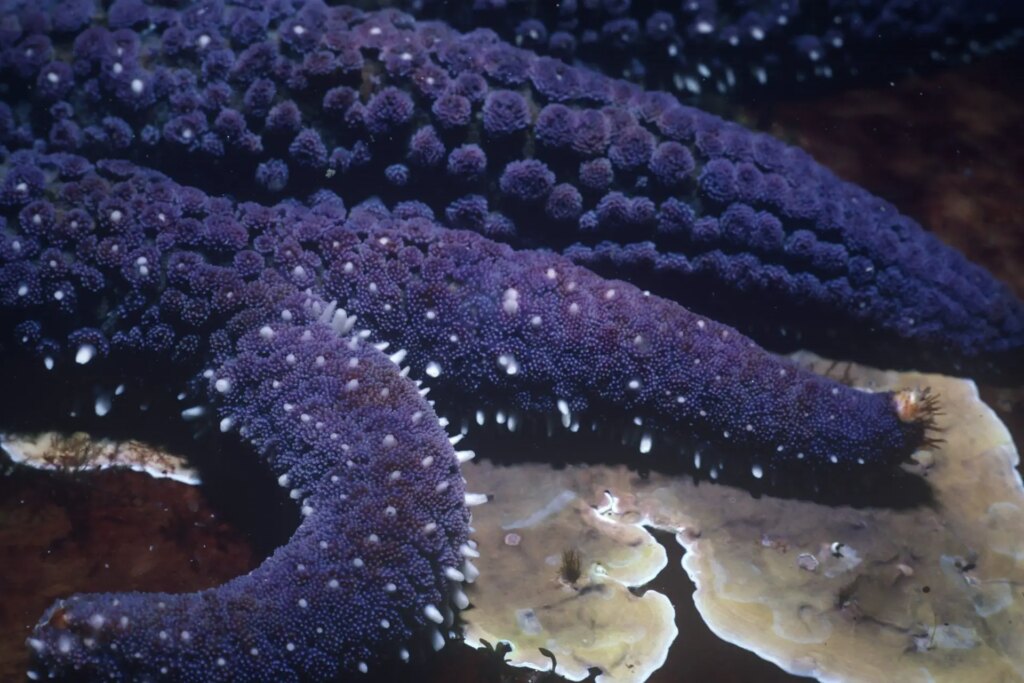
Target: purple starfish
(520,148)
(108,265)
(765,46)
(243,299)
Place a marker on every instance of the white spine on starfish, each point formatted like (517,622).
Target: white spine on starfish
(86,352)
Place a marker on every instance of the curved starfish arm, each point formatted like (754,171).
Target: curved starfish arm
(520,147)
(532,329)
(375,561)
(761,47)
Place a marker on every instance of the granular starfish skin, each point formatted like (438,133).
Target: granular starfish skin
(287,99)
(400,149)
(764,47)
(256,343)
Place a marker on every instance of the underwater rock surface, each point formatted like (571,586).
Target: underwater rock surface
(557,574)
(79,453)
(929,592)
(105,531)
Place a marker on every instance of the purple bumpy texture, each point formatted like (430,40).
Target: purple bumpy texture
(728,222)
(376,553)
(116,263)
(104,259)
(718,46)
(532,328)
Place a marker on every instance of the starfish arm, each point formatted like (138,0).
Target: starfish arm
(376,559)
(102,262)
(531,329)
(521,148)
(369,567)
(764,48)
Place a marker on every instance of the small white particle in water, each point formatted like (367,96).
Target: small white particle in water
(433,369)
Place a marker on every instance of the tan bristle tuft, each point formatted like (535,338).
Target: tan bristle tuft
(921,407)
